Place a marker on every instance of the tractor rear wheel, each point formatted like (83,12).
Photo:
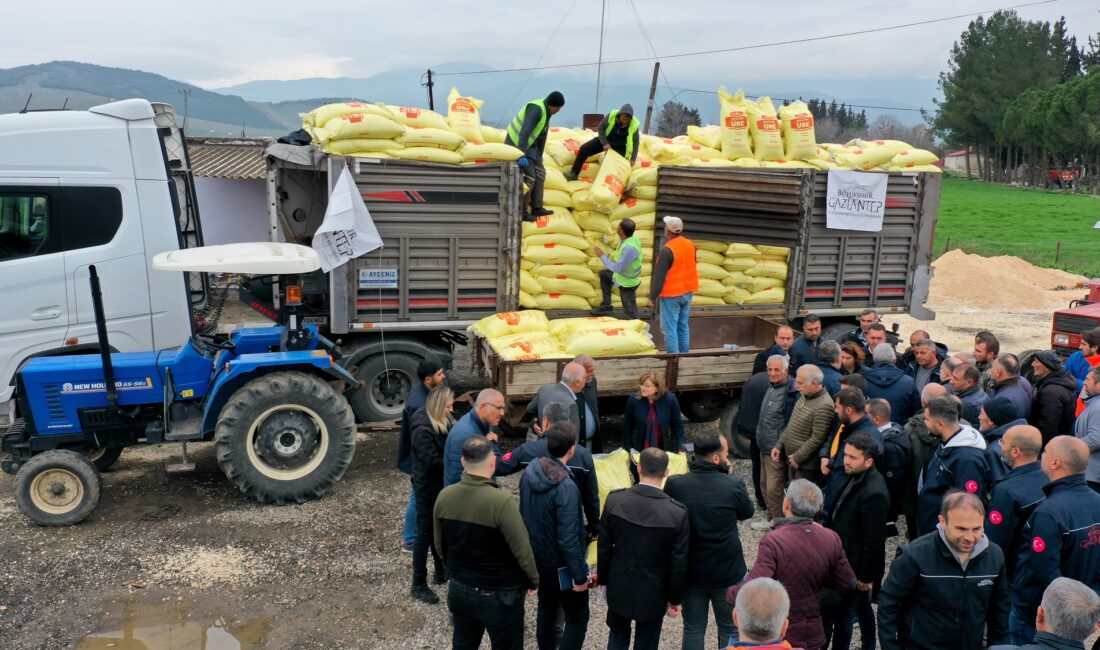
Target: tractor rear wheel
(59,487)
(286,436)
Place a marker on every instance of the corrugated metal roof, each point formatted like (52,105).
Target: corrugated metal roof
(236,160)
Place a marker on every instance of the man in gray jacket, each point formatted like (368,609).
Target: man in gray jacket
(619,130)
(775,412)
(1087,426)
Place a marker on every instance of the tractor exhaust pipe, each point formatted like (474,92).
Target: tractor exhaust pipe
(104,344)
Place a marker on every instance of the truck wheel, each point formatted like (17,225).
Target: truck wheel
(102,457)
(1026,371)
(58,488)
(386,382)
(703,406)
(283,437)
(739,444)
(837,332)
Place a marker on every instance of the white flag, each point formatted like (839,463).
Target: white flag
(855,200)
(347,231)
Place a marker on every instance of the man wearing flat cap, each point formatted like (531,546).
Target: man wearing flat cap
(1054,407)
(675,279)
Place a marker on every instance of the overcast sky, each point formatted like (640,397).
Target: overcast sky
(214,43)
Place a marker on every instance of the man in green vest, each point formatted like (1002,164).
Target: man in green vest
(527,132)
(619,131)
(624,270)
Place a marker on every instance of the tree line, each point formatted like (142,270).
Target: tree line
(1025,97)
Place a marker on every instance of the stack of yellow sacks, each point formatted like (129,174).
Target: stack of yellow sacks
(757,274)
(709,258)
(553,271)
(529,336)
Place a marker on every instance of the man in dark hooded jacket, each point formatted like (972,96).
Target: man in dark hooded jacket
(890,383)
(619,130)
(551,507)
(997,416)
(1052,410)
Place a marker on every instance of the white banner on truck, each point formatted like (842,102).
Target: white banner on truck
(855,200)
(347,231)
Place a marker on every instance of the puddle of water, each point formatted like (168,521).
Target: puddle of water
(173,627)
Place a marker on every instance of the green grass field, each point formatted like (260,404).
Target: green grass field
(990,219)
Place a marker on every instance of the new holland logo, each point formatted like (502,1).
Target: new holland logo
(120,384)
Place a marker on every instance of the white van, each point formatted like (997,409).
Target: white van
(80,188)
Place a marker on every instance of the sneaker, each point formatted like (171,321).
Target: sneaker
(601,311)
(761,526)
(424,594)
(439,578)
(541,212)
(570,175)
(407,547)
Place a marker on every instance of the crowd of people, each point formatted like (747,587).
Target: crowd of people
(995,479)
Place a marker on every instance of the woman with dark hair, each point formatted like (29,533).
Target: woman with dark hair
(652,417)
(851,358)
(429,427)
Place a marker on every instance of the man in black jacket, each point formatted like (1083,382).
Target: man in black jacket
(959,463)
(642,556)
(744,425)
(948,587)
(551,507)
(859,518)
(1066,618)
(805,350)
(784,341)
(850,409)
(484,543)
(589,397)
(715,502)
(1054,408)
(1014,495)
(430,373)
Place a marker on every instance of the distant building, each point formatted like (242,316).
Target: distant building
(955,161)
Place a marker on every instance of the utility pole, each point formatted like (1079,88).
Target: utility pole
(431,94)
(652,93)
(599,59)
(186,96)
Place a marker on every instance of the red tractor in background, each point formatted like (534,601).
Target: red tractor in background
(1069,323)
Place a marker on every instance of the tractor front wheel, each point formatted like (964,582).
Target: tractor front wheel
(286,436)
(59,487)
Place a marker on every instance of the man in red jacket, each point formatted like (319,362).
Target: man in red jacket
(804,557)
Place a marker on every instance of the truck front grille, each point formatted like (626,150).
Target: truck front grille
(1073,324)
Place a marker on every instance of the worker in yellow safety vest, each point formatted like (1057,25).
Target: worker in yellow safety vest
(623,270)
(619,131)
(527,132)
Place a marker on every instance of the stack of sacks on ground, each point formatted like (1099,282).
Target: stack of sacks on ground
(529,336)
(367,130)
(757,274)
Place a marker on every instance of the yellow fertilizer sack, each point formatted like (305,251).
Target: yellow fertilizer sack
(563,328)
(554,254)
(711,245)
(611,180)
(593,221)
(711,288)
(527,301)
(737,296)
(428,154)
(768,269)
(740,263)
(612,473)
(869,158)
(589,171)
(511,322)
(555,180)
(767,139)
(490,151)
(431,137)
(552,224)
(737,279)
(780,252)
(712,162)
(564,151)
(631,208)
(572,241)
(528,283)
(357,125)
(742,250)
(556,198)
(766,297)
(582,201)
(707,136)
(761,283)
(418,118)
(520,345)
(707,301)
(527,265)
(643,221)
(746,162)
(930,169)
(563,284)
(321,115)
(710,257)
(464,116)
(575,271)
(709,270)
(701,152)
(913,157)
(798,131)
(580,325)
(380,155)
(489,135)
(733,122)
(644,192)
(610,341)
(360,145)
(561,301)
(644,176)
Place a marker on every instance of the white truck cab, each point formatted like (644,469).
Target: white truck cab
(80,188)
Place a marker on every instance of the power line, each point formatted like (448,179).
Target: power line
(795,99)
(811,39)
(546,49)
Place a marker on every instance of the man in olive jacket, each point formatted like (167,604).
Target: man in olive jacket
(715,502)
(809,425)
(642,555)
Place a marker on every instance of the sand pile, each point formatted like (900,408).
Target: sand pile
(963,280)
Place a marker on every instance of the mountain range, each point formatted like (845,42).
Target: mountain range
(271,107)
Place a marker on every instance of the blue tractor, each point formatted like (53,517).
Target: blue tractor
(273,399)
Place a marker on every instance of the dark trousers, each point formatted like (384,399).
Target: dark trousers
(629,296)
(698,604)
(754,456)
(551,600)
(647,634)
(840,620)
(591,148)
(500,612)
(425,541)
